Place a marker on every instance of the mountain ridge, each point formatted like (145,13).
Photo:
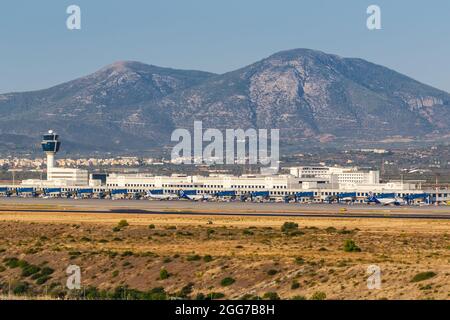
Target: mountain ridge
(311,96)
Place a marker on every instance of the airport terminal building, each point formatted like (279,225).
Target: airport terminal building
(302,184)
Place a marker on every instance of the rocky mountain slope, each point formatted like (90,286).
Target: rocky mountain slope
(309,95)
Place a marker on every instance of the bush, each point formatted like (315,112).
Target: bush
(207,258)
(272,272)
(319,295)
(47,271)
(116,229)
(152,226)
(247,232)
(42,279)
(295,285)
(195,257)
(123,224)
(185,291)
(21,288)
(200,296)
(228,281)
(30,270)
(289,226)
(271,296)
(127,253)
(423,276)
(11,262)
(214,295)
(350,246)
(157,293)
(163,274)
(299,260)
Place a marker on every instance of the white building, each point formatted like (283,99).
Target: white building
(340,175)
(68,176)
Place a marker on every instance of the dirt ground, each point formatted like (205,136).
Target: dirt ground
(253,251)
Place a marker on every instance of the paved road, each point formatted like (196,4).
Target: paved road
(223,208)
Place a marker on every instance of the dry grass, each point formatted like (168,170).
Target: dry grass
(135,255)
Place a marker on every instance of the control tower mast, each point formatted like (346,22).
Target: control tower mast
(50,145)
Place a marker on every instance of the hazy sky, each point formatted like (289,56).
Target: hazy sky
(38,51)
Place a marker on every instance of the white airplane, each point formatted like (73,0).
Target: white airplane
(195,197)
(386,201)
(161,196)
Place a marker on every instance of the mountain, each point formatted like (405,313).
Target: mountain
(309,95)
(100,111)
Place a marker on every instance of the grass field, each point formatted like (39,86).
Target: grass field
(182,256)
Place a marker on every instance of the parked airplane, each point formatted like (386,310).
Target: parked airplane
(194,196)
(159,195)
(386,201)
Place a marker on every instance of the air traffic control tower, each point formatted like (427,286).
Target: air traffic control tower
(50,145)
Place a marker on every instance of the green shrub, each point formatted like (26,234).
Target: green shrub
(228,281)
(42,279)
(423,276)
(163,274)
(247,232)
(30,270)
(127,253)
(319,295)
(289,226)
(123,224)
(350,246)
(11,262)
(207,258)
(157,293)
(22,264)
(151,226)
(299,260)
(200,296)
(209,232)
(47,271)
(185,291)
(214,295)
(195,257)
(21,288)
(272,272)
(115,273)
(271,296)
(116,229)
(298,298)
(295,285)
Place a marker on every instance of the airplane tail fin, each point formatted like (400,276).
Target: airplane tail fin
(373,199)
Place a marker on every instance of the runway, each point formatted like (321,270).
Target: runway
(178,207)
